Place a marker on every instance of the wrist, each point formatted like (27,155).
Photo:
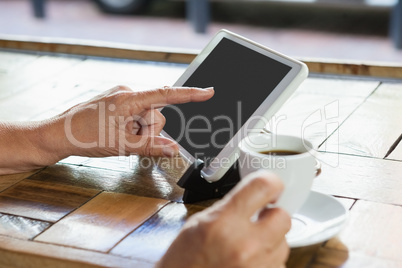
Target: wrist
(50,141)
(27,146)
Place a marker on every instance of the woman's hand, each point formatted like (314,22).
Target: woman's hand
(123,122)
(117,122)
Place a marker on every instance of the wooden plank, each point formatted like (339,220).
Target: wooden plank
(144,179)
(99,49)
(11,62)
(62,105)
(302,257)
(329,258)
(151,240)
(387,69)
(33,72)
(52,93)
(307,256)
(374,127)
(124,51)
(135,74)
(80,83)
(21,254)
(74,160)
(20,227)
(102,222)
(396,153)
(45,201)
(319,106)
(360,178)
(116,163)
(346,202)
(372,230)
(8,180)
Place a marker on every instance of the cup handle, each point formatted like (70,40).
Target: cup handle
(318,168)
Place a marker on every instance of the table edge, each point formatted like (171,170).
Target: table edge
(52,253)
(163,54)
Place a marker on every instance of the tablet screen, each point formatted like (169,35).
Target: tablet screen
(242,79)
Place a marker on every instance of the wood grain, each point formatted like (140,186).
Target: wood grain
(9,180)
(333,66)
(360,178)
(116,163)
(11,62)
(308,256)
(20,227)
(124,51)
(122,222)
(143,179)
(397,153)
(102,222)
(45,201)
(99,49)
(29,74)
(21,254)
(135,74)
(319,106)
(374,127)
(151,240)
(49,111)
(302,257)
(372,230)
(333,257)
(329,258)
(44,96)
(74,160)
(346,202)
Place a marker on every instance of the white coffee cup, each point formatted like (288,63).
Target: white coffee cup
(297,171)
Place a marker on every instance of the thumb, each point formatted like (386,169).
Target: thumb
(253,193)
(151,146)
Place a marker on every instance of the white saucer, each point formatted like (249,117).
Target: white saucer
(320,218)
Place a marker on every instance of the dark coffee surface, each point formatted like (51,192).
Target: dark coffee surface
(280,152)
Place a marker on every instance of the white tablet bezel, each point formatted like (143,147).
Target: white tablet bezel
(299,71)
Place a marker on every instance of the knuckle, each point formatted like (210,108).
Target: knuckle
(234,203)
(285,218)
(270,247)
(122,88)
(118,95)
(282,218)
(267,182)
(207,228)
(160,117)
(164,91)
(203,230)
(211,223)
(243,253)
(259,183)
(239,255)
(146,147)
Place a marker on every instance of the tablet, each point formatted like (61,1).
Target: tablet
(251,82)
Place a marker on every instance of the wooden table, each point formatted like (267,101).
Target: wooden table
(87,212)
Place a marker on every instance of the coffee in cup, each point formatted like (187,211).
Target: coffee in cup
(290,157)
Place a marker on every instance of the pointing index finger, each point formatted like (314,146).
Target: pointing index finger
(157,98)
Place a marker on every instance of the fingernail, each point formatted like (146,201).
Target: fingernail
(208,88)
(169,151)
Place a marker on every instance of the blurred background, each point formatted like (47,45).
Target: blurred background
(331,29)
